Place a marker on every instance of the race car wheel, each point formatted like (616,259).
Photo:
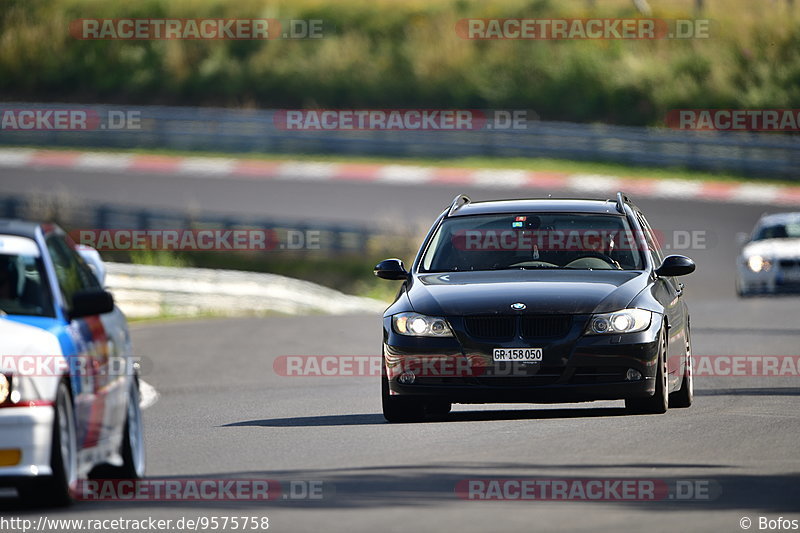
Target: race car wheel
(683,397)
(438,407)
(659,402)
(132,451)
(55,490)
(400,408)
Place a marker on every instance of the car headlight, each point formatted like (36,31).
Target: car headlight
(415,325)
(625,321)
(756,263)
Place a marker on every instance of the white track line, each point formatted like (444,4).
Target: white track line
(507,179)
(404,174)
(15,157)
(678,189)
(593,183)
(100,161)
(206,166)
(307,171)
(748,192)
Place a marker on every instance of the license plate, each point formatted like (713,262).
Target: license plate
(517,354)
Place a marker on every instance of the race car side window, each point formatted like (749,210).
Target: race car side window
(72,272)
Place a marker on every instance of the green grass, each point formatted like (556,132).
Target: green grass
(404,54)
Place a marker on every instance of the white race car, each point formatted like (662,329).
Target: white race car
(770,260)
(69,389)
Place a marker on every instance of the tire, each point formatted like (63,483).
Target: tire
(684,396)
(658,403)
(400,409)
(740,292)
(133,452)
(55,490)
(438,407)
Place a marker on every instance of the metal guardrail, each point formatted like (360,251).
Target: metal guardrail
(332,238)
(228,130)
(144,290)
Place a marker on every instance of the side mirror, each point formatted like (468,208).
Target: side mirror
(95,262)
(391,269)
(91,302)
(676,265)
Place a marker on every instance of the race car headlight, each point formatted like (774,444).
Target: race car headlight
(756,263)
(625,321)
(415,325)
(5,388)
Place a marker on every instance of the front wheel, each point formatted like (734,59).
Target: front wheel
(438,407)
(132,450)
(684,396)
(398,409)
(658,403)
(55,490)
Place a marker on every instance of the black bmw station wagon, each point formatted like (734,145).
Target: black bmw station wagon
(536,301)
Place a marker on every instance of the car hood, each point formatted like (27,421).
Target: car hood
(18,337)
(542,291)
(773,248)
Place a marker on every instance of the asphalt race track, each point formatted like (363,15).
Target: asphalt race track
(223,412)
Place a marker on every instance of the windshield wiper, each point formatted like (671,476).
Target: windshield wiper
(528,267)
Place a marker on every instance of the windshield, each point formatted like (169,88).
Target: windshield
(778,231)
(23,290)
(533,241)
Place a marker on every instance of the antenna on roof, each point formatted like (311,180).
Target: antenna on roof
(458,202)
(622,199)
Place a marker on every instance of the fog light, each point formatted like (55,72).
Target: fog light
(10,457)
(406,378)
(633,375)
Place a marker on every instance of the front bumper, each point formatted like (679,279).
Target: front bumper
(29,430)
(776,280)
(574,368)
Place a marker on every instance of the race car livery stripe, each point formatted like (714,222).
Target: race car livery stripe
(99,353)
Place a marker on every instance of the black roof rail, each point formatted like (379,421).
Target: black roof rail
(459,201)
(622,199)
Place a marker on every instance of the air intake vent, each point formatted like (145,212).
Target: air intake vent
(491,327)
(538,326)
